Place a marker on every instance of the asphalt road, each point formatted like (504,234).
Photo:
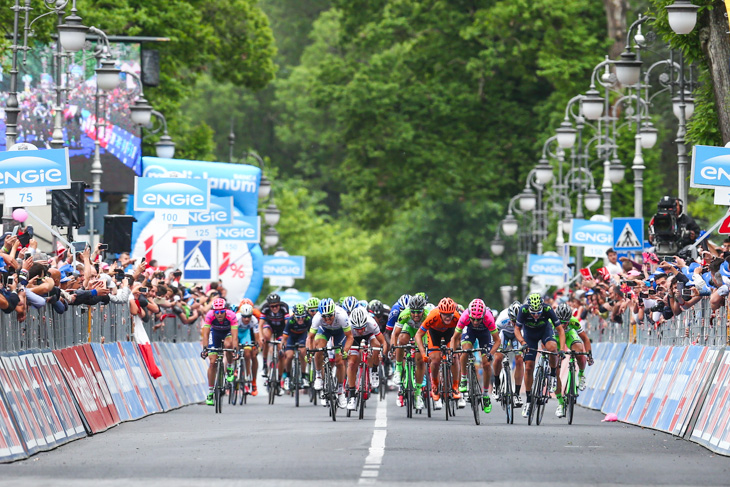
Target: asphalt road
(263,445)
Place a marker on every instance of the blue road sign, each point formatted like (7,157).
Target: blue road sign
(198,263)
(628,233)
(151,194)
(710,167)
(292,266)
(34,169)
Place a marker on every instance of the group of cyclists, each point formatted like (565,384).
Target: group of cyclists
(306,330)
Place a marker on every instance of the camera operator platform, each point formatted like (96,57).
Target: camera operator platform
(671,230)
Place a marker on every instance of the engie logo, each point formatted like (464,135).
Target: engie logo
(542,265)
(231,181)
(586,232)
(219,213)
(34,169)
(245,228)
(710,166)
(171,194)
(292,266)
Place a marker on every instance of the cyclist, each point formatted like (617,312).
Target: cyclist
(349,304)
(364,329)
(395,311)
(312,304)
(576,339)
(405,330)
(377,309)
(248,332)
(439,325)
(478,322)
(256,312)
(273,317)
(506,325)
(295,332)
(535,324)
(220,328)
(330,322)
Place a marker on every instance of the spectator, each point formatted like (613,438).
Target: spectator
(614,268)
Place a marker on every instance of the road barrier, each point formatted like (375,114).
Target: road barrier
(63,377)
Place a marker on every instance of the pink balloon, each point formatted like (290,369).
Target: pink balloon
(20,215)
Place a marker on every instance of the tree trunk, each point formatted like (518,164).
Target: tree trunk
(716,46)
(616,20)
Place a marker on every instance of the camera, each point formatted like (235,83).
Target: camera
(659,306)
(670,237)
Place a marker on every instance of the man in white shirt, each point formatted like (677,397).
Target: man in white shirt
(614,268)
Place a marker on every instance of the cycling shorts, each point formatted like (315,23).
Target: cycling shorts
(509,340)
(338,336)
(276,331)
(216,338)
(293,339)
(533,336)
(571,337)
(483,337)
(435,337)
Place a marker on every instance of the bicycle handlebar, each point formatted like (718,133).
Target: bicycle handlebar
(482,350)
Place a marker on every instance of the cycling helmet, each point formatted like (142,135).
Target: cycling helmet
(300,311)
(350,303)
(417,303)
(312,303)
(273,298)
(447,306)
(327,306)
(363,303)
(564,312)
(219,304)
(423,295)
(477,308)
(246,311)
(459,308)
(513,309)
(245,301)
(403,300)
(359,318)
(535,303)
(375,307)
(428,308)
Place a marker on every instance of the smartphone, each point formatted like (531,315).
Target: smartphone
(143,289)
(79,246)
(15,229)
(103,246)
(631,283)
(177,273)
(11,279)
(669,258)
(651,291)
(119,274)
(643,295)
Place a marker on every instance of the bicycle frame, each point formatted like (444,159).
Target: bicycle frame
(475,389)
(408,379)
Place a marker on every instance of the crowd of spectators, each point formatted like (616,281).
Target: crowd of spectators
(30,278)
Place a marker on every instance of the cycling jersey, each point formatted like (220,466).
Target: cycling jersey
(381,319)
(395,311)
(487,323)
(371,329)
(294,327)
(547,317)
(340,322)
(275,320)
(572,328)
(504,323)
(246,331)
(230,321)
(407,323)
(434,322)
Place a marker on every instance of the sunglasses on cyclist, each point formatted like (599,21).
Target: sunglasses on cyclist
(416,311)
(447,316)
(274,306)
(219,311)
(245,316)
(326,317)
(474,320)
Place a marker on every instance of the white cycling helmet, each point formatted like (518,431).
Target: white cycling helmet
(359,318)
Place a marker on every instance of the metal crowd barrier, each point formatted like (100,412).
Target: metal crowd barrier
(44,328)
(694,326)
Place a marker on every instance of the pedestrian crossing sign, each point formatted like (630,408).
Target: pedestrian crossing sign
(198,264)
(628,234)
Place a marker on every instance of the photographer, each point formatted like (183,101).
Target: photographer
(670,230)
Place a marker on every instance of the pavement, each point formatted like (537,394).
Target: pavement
(265,445)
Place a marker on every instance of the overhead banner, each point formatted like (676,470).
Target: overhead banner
(240,264)
(710,167)
(26,175)
(594,236)
(154,194)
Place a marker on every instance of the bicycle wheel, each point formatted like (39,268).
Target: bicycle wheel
(444,391)
(507,397)
(218,387)
(408,396)
(535,393)
(426,391)
(572,394)
(332,394)
(383,387)
(475,393)
(544,393)
(363,393)
(297,376)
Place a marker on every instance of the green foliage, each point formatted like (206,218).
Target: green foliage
(338,255)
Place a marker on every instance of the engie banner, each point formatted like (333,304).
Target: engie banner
(240,263)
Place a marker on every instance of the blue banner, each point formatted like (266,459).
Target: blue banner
(587,232)
(34,169)
(710,167)
(219,213)
(244,228)
(153,194)
(291,266)
(544,265)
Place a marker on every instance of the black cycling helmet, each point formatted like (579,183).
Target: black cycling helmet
(273,298)
(417,302)
(375,306)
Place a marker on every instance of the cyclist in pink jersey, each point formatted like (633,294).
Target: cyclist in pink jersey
(220,330)
(476,324)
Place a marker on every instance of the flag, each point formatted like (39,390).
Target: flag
(586,273)
(603,272)
(145,348)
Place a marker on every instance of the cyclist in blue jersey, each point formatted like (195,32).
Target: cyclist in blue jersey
(248,332)
(395,311)
(506,325)
(295,332)
(537,323)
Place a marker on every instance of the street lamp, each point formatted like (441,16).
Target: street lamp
(592,200)
(592,104)
(165,146)
(544,171)
(107,75)
(648,135)
(509,225)
(71,34)
(527,200)
(566,135)
(141,110)
(271,215)
(682,16)
(497,246)
(271,237)
(689,105)
(616,171)
(628,69)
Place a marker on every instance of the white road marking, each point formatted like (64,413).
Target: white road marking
(371,468)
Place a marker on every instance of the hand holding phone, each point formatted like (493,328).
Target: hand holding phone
(143,290)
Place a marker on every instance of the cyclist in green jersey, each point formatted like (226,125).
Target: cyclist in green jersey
(576,339)
(406,327)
